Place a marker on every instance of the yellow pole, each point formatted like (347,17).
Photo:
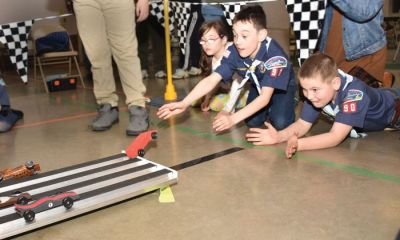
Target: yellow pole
(170,93)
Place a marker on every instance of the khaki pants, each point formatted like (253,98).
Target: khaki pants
(107,28)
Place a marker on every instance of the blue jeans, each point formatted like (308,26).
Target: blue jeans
(212,13)
(7,120)
(279,111)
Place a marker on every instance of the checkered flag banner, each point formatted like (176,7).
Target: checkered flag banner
(230,10)
(157,10)
(182,14)
(306,17)
(14,36)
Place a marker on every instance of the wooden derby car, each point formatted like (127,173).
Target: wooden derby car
(136,148)
(28,211)
(17,198)
(28,169)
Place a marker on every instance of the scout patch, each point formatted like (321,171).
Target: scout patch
(276,65)
(351,99)
(275,62)
(276,72)
(353,95)
(350,107)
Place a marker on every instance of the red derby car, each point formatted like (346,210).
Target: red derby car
(28,211)
(136,148)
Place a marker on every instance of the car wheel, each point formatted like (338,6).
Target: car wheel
(22,200)
(29,165)
(1,177)
(68,202)
(141,152)
(29,215)
(154,135)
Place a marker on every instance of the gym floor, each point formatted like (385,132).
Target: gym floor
(242,192)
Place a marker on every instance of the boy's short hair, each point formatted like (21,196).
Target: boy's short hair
(254,14)
(321,65)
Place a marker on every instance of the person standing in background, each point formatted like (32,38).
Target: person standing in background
(151,31)
(107,28)
(354,37)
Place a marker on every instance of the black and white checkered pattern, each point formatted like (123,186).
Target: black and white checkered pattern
(182,14)
(157,10)
(306,18)
(14,36)
(230,10)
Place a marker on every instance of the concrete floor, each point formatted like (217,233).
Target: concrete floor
(348,192)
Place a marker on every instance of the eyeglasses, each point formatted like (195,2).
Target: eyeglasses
(208,41)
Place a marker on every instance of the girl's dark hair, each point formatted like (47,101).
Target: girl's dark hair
(223,30)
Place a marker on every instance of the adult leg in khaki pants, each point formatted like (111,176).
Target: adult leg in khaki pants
(107,28)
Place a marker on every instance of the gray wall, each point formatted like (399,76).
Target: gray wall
(21,10)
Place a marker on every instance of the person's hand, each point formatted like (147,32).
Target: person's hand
(259,136)
(292,145)
(222,122)
(171,109)
(205,105)
(142,10)
(223,113)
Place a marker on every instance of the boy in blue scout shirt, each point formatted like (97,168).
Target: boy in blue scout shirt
(352,103)
(257,58)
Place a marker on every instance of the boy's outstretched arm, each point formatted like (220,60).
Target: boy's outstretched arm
(336,135)
(270,135)
(224,122)
(201,89)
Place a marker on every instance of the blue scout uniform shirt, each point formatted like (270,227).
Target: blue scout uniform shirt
(272,67)
(356,105)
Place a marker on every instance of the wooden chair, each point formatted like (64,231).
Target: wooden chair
(397,39)
(51,58)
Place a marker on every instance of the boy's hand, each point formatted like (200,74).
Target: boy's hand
(222,113)
(171,109)
(223,121)
(292,145)
(205,105)
(259,136)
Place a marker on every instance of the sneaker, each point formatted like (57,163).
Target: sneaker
(160,74)
(106,117)
(18,113)
(180,73)
(145,74)
(10,117)
(138,120)
(194,71)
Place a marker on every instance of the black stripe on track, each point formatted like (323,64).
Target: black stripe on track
(205,158)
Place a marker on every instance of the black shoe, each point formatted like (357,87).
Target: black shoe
(20,114)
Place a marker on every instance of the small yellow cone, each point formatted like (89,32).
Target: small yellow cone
(166,195)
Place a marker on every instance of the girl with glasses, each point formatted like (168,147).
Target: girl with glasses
(215,38)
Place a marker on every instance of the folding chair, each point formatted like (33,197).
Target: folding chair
(54,57)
